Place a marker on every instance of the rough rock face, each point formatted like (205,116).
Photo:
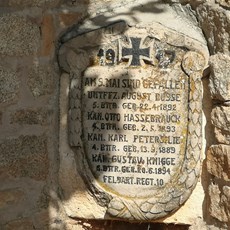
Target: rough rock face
(220,118)
(218,161)
(9,85)
(214,20)
(215,23)
(219,77)
(220,202)
(21,35)
(224,3)
(25,156)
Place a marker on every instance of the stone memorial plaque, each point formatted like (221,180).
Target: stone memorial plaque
(134,119)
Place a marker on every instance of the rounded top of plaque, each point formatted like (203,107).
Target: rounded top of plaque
(174,20)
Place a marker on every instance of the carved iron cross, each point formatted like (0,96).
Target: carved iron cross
(135,51)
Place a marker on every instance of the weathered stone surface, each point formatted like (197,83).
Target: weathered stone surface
(225,198)
(220,202)
(30,3)
(219,77)
(10,197)
(215,23)
(25,156)
(224,3)
(31,116)
(220,118)
(218,161)
(26,198)
(222,136)
(19,36)
(20,224)
(41,81)
(9,85)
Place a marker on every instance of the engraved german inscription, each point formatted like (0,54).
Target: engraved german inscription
(132,120)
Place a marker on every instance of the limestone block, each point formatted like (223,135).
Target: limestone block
(25,156)
(220,118)
(219,78)
(224,3)
(31,116)
(19,36)
(41,81)
(215,23)
(218,161)
(9,85)
(10,197)
(226,200)
(220,202)
(222,136)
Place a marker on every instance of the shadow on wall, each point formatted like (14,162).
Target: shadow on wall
(156,7)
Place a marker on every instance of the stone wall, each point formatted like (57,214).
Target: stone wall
(29,88)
